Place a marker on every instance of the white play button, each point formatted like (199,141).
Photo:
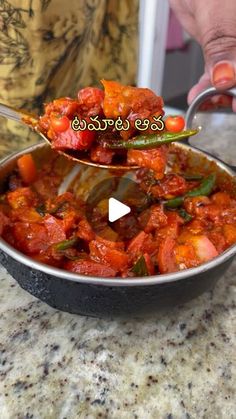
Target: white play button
(116,209)
(119,201)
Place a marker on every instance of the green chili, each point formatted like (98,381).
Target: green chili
(205,188)
(66,244)
(148,141)
(140,267)
(174,202)
(192,176)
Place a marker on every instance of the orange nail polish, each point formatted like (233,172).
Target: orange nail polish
(223,74)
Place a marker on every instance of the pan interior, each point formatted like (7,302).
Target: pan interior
(182,157)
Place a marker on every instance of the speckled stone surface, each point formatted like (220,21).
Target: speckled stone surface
(178,364)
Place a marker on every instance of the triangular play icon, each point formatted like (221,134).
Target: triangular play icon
(116,209)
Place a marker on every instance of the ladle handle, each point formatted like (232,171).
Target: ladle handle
(206,94)
(17,115)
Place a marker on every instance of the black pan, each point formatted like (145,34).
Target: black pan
(110,297)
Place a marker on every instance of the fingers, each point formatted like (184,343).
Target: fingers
(217,37)
(217,101)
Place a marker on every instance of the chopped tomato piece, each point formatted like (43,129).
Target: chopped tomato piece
(119,245)
(30,238)
(228,215)
(67,208)
(48,259)
(166,256)
(137,244)
(154,159)
(185,256)
(172,229)
(26,214)
(192,204)
(27,168)
(216,236)
(21,197)
(101,155)
(85,231)
(56,232)
(69,220)
(90,267)
(117,259)
(128,101)
(210,212)
(153,218)
(90,101)
(221,198)
(63,106)
(149,264)
(73,140)
(196,226)
(170,186)
(229,231)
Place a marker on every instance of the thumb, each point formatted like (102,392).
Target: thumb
(223,74)
(219,49)
(220,63)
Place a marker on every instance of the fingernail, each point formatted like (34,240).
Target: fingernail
(223,74)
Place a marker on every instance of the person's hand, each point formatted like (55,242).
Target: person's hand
(213,24)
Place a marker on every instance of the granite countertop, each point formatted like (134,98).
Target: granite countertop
(176,364)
